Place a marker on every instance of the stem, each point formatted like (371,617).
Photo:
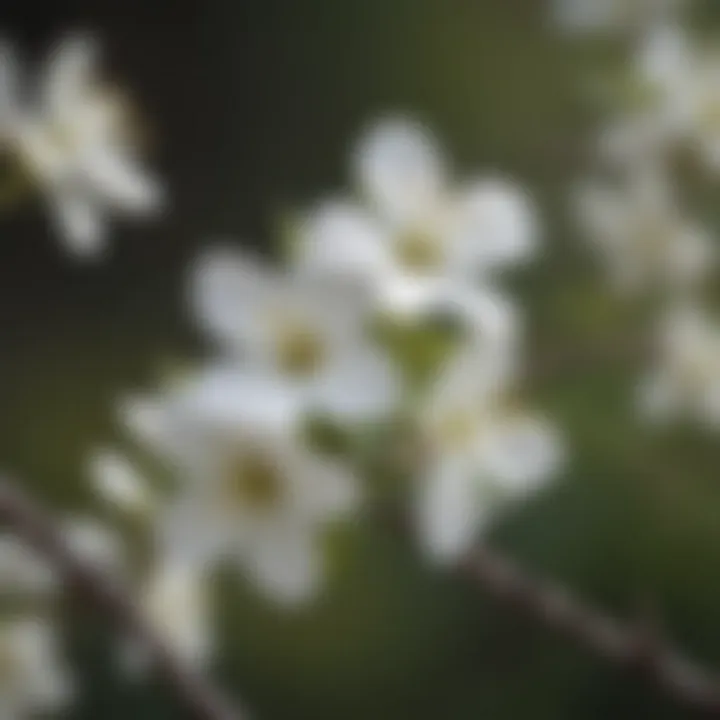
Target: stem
(631,647)
(35,527)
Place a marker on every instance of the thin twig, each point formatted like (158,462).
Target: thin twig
(629,646)
(29,522)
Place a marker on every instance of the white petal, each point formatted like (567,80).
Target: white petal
(664,57)
(177,603)
(80,222)
(190,531)
(70,73)
(409,297)
(449,511)
(400,169)
(286,565)
(322,489)
(228,398)
(340,238)
(125,184)
(363,385)
(494,226)
(116,481)
(147,419)
(228,293)
(521,452)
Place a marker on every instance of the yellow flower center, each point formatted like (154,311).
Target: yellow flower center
(419,250)
(458,428)
(253,481)
(300,349)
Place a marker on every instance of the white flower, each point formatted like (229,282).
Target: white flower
(416,238)
(582,16)
(639,233)
(73,141)
(685,379)
(32,675)
(250,490)
(482,453)
(657,111)
(678,102)
(310,333)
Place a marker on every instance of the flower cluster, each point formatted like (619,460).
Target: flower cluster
(312,343)
(634,216)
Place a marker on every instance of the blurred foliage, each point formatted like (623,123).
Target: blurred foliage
(254,104)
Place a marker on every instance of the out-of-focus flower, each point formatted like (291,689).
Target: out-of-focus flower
(675,101)
(482,453)
(640,234)
(309,333)
(32,675)
(581,16)
(250,490)
(685,379)
(416,238)
(72,138)
(173,595)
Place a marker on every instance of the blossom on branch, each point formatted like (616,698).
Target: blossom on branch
(411,235)
(482,452)
(310,335)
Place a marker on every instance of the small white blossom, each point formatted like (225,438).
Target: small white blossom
(72,139)
(677,103)
(32,674)
(250,489)
(312,334)
(640,235)
(416,238)
(685,379)
(482,453)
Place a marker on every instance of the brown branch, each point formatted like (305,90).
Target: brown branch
(631,647)
(29,522)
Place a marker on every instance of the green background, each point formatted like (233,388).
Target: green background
(252,106)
